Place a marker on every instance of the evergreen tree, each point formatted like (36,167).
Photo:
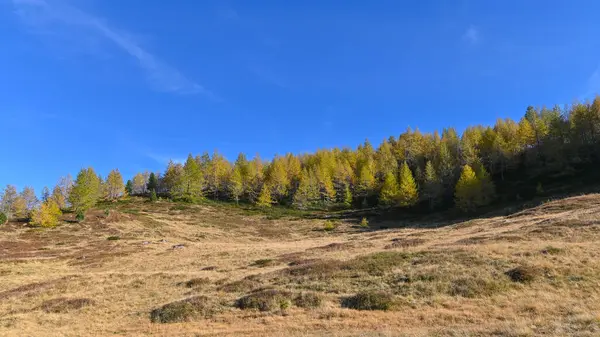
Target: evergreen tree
(278,179)
(389,190)
(468,190)
(152,183)
(487,190)
(307,192)
(408,194)
(365,181)
(129,187)
(86,190)
(347,201)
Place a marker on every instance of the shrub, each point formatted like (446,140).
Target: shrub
(3,218)
(308,300)
(523,274)
(551,250)
(64,305)
(153,196)
(265,300)
(47,215)
(242,286)
(473,287)
(364,223)
(80,215)
(113,238)
(369,301)
(184,310)
(329,225)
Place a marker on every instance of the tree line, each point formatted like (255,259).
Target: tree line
(414,170)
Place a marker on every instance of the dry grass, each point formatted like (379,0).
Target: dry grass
(536,272)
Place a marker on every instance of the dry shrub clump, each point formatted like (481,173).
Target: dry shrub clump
(197,282)
(266,300)
(184,310)
(523,274)
(369,300)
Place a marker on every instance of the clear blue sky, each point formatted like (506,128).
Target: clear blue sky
(129,84)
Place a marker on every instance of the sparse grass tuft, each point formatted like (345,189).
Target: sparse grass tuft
(184,310)
(113,238)
(266,300)
(523,274)
(377,300)
(263,263)
(471,287)
(550,250)
(242,286)
(197,282)
(330,225)
(65,305)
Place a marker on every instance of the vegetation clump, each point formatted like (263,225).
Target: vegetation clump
(3,218)
(263,263)
(197,282)
(369,300)
(308,300)
(329,225)
(113,238)
(266,300)
(184,310)
(523,274)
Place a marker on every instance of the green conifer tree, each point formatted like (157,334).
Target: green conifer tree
(408,194)
(389,190)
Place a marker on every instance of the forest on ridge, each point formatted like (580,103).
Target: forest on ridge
(510,160)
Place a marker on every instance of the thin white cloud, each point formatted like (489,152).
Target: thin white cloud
(54,15)
(472,35)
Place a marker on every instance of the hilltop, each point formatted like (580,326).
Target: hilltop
(132,267)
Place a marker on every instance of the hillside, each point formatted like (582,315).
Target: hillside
(535,272)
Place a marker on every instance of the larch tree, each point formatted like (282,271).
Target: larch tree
(86,190)
(432,188)
(31,200)
(264,198)
(278,180)
(20,210)
(468,190)
(58,197)
(192,179)
(390,189)
(408,194)
(115,189)
(307,192)
(45,194)
(235,184)
(47,215)
(365,181)
(139,184)
(9,196)
(173,180)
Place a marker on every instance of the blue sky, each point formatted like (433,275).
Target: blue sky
(129,84)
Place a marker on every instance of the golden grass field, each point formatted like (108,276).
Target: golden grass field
(531,273)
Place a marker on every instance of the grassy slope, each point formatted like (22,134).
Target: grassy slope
(444,281)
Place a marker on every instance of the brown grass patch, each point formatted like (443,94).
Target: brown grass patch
(65,305)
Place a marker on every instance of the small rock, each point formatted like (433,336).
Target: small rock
(162,241)
(146,242)
(179,246)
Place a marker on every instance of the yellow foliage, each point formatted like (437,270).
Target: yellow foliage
(47,215)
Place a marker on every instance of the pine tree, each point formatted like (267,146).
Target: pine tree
(278,179)
(264,198)
(152,183)
(432,188)
(487,190)
(468,190)
(347,201)
(129,187)
(115,188)
(389,190)
(408,194)
(86,191)
(365,181)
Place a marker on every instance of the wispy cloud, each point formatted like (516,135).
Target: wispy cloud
(161,159)
(472,35)
(57,15)
(268,76)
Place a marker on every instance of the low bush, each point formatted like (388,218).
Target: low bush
(329,225)
(3,218)
(266,300)
(113,238)
(523,274)
(263,263)
(184,310)
(308,300)
(369,300)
